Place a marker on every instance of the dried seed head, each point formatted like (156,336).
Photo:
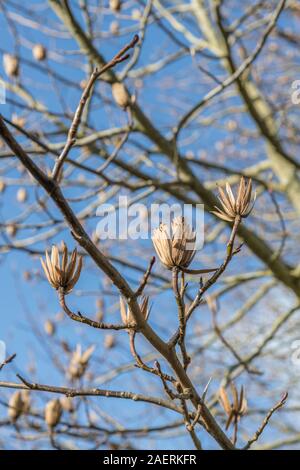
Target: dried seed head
(86,355)
(114,27)
(79,361)
(12,230)
(237,407)
(136,14)
(49,327)
(99,310)
(240,205)
(18,120)
(2,186)
(21,195)
(109,341)
(26,400)
(231,125)
(11,65)
(15,406)
(67,404)
(115,5)
(126,315)
(53,412)
(39,52)
(120,95)
(144,306)
(176,249)
(64,273)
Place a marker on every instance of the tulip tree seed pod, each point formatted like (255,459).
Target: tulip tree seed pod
(22,195)
(53,412)
(15,406)
(115,5)
(39,52)
(109,341)
(120,95)
(49,327)
(11,65)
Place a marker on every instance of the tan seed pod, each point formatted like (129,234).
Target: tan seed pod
(126,315)
(86,355)
(49,327)
(67,404)
(11,230)
(15,406)
(62,273)
(99,310)
(237,407)
(224,400)
(75,370)
(79,361)
(109,341)
(114,27)
(175,247)
(22,195)
(53,412)
(136,14)
(115,5)
(18,120)
(26,400)
(231,125)
(239,205)
(2,186)
(39,52)
(11,65)
(120,95)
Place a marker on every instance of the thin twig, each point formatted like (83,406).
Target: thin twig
(119,57)
(140,363)
(190,428)
(226,343)
(265,422)
(82,319)
(7,361)
(181,317)
(230,253)
(144,281)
